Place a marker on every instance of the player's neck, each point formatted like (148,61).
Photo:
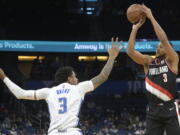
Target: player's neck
(161,57)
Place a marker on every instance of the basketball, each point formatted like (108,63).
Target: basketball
(135,13)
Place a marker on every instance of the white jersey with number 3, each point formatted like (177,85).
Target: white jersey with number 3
(64,102)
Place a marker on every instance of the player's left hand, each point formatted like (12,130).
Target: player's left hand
(2,74)
(147,11)
(115,48)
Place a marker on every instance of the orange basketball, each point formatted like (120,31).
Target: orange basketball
(135,13)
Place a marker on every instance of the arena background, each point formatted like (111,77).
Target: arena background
(37,37)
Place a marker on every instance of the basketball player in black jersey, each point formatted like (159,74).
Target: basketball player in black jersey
(162,110)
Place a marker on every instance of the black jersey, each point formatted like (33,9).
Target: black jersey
(160,81)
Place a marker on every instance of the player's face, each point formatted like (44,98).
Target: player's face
(73,79)
(160,50)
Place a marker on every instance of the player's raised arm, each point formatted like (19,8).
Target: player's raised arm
(21,93)
(171,54)
(104,74)
(135,55)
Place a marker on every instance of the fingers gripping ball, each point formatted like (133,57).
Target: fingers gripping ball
(135,13)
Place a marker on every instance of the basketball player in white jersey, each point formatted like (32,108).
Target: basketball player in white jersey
(65,97)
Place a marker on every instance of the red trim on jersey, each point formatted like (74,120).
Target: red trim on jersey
(171,68)
(164,91)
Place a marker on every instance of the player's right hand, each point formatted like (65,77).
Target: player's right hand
(139,24)
(115,48)
(2,74)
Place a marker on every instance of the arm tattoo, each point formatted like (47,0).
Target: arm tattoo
(103,76)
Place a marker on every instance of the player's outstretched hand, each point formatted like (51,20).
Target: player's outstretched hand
(115,48)
(2,74)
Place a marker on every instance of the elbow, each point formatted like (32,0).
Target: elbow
(104,77)
(20,94)
(19,97)
(129,52)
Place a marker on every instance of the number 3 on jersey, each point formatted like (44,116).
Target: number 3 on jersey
(165,77)
(63,105)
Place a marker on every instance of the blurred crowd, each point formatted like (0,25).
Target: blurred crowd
(124,68)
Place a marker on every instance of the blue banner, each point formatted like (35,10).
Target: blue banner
(83,46)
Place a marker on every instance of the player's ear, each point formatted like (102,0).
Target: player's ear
(69,79)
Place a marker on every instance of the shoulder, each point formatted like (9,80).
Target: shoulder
(89,82)
(173,65)
(85,85)
(171,61)
(175,59)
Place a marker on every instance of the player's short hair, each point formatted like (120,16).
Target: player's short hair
(62,75)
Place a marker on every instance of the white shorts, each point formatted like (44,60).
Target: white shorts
(70,131)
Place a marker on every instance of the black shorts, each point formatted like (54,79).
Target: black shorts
(162,118)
